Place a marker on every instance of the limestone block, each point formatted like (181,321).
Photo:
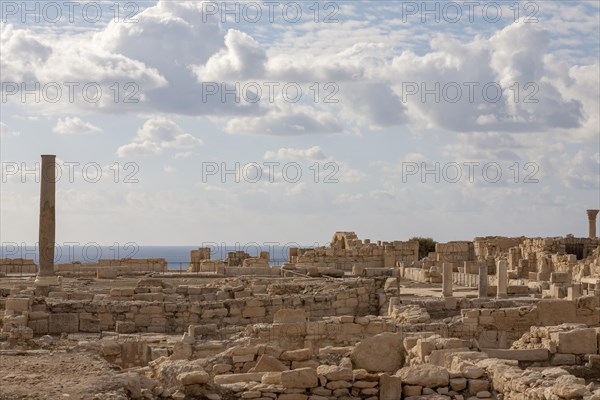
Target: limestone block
(426,375)
(110,348)
(39,326)
(154,309)
(390,387)
(63,322)
(379,353)
(287,315)
(299,378)
(125,327)
(19,304)
(555,312)
(335,373)
(411,390)
(238,378)
(519,354)
(559,277)
(249,312)
(577,341)
(296,355)
(193,378)
(267,363)
(478,385)
(106,273)
(569,387)
(305,364)
(563,359)
(458,384)
(243,358)
(221,368)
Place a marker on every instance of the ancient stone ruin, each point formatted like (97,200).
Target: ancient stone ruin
(491,318)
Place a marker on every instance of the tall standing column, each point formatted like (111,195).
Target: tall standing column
(502,275)
(447,279)
(483,280)
(47,217)
(592,222)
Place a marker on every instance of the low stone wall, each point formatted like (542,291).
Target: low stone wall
(172,310)
(498,328)
(17,266)
(120,267)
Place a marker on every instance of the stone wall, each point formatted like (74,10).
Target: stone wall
(154,308)
(346,250)
(118,266)
(17,266)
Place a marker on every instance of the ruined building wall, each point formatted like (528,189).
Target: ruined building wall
(346,250)
(17,266)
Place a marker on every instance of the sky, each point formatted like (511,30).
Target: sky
(186,122)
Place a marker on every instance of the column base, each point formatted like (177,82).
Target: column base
(502,296)
(47,281)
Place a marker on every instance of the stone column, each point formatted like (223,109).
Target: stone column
(447,279)
(502,275)
(483,280)
(47,220)
(574,291)
(592,222)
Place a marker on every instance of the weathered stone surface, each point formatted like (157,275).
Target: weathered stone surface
(63,322)
(236,378)
(271,378)
(17,304)
(193,378)
(267,363)
(299,378)
(458,384)
(390,387)
(569,387)
(379,353)
(288,316)
(426,375)
(519,354)
(478,385)
(335,373)
(577,341)
(296,355)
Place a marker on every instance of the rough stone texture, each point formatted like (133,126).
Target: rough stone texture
(296,355)
(577,341)
(287,316)
(426,375)
(236,378)
(335,373)
(194,377)
(267,363)
(299,378)
(379,353)
(390,387)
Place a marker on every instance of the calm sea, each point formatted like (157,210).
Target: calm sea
(177,256)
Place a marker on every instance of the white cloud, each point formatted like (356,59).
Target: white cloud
(73,126)
(581,171)
(183,154)
(5,132)
(145,148)
(323,169)
(174,48)
(242,58)
(156,134)
(288,153)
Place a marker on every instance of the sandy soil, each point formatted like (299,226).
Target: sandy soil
(54,375)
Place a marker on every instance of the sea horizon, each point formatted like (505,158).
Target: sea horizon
(177,257)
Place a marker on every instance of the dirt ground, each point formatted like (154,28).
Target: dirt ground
(53,375)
